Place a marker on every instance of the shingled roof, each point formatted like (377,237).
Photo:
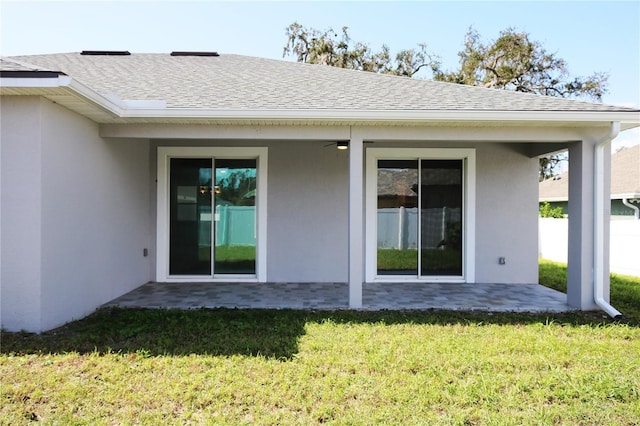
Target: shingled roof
(234,82)
(625,178)
(7,65)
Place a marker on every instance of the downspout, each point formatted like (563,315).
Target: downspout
(636,210)
(598,213)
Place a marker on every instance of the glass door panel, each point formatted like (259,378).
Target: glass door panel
(235,216)
(441,217)
(190,216)
(397,217)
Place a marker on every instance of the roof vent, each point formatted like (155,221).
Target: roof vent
(105,52)
(195,54)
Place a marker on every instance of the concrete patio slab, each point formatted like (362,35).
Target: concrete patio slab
(331,296)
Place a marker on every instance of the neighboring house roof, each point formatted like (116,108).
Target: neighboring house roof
(554,189)
(393,183)
(625,178)
(625,173)
(153,86)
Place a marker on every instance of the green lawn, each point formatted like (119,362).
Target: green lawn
(125,366)
(432,259)
(625,290)
(231,259)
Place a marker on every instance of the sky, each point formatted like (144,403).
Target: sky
(591,36)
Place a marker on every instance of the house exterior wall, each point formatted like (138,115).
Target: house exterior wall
(307,222)
(307,218)
(75,233)
(307,208)
(506,215)
(95,221)
(93,205)
(20,194)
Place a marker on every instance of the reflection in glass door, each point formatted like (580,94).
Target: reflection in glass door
(235,216)
(398,217)
(196,185)
(419,217)
(441,217)
(190,216)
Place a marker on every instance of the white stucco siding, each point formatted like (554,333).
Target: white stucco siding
(506,215)
(307,217)
(95,216)
(20,191)
(307,207)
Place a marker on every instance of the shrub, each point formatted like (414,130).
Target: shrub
(547,211)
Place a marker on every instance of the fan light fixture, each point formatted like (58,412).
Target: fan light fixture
(342,145)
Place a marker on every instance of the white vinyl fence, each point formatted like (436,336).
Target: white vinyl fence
(236,226)
(624,246)
(398,227)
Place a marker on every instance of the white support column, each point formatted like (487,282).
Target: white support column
(581,224)
(356,221)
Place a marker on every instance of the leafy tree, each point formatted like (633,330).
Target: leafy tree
(327,48)
(237,187)
(511,62)
(514,62)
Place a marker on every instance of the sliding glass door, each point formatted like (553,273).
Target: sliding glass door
(212,216)
(420,217)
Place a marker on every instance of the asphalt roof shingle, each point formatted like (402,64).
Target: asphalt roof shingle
(7,64)
(625,171)
(242,82)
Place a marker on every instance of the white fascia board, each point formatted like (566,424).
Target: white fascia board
(64,82)
(31,83)
(111,104)
(632,118)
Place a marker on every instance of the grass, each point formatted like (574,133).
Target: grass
(403,260)
(127,366)
(624,291)
(231,259)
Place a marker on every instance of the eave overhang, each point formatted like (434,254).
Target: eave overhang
(109,109)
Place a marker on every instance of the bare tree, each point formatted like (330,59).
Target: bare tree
(327,48)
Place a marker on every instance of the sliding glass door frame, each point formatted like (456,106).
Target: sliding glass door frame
(165,154)
(372,157)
